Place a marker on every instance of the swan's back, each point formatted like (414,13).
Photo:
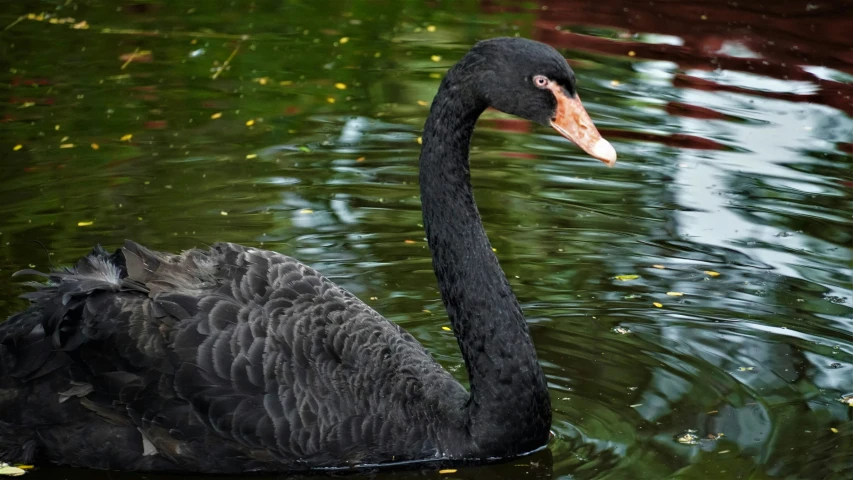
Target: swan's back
(230,359)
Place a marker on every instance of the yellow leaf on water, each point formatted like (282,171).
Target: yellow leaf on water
(712,273)
(10,471)
(95,146)
(223,213)
(216,115)
(127,138)
(833,429)
(67,145)
(446,471)
(675,294)
(409,241)
(17,147)
(250,123)
(446,329)
(626,278)
(435,58)
(330,100)
(360,159)
(661,267)
(430,28)
(659,305)
(420,140)
(306,211)
(343,40)
(341,86)
(251,156)
(85,223)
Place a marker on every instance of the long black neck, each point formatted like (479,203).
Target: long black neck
(509,409)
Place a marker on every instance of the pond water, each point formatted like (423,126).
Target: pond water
(691,306)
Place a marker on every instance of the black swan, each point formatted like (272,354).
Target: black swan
(235,359)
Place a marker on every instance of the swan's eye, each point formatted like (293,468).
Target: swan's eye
(541,81)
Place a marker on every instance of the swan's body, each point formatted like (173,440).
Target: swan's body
(235,359)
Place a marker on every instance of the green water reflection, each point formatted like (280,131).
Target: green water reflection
(735,158)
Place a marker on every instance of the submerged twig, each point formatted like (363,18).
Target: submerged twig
(130,59)
(227,62)
(19,20)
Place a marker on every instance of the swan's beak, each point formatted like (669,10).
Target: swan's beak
(574,123)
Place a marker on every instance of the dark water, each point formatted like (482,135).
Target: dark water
(732,122)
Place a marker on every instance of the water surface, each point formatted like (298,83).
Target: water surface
(294,125)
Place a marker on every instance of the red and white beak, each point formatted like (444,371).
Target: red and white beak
(572,121)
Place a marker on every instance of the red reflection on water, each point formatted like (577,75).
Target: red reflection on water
(693,111)
(772,39)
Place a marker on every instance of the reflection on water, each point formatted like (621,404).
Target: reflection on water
(731,202)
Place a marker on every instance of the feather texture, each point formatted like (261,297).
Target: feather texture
(230,359)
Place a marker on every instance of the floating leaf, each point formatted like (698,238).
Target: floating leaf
(341,86)
(422,103)
(626,278)
(85,223)
(833,429)
(10,471)
(330,100)
(688,438)
(95,146)
(636,405)
(360,159)
(216,115)
(306,211)
(409,241)
(446,471)
(430,28)
(446,329)
(17,147)
(420,140)
(127,138)
(249,123)
(223,213)
(745,369)
(67,145)
(343,40)
(659,305)
(435,58)
(305,149)
(251,156)
(712,273)
(661,267)
(675,294)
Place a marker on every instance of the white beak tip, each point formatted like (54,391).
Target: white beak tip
(603,151)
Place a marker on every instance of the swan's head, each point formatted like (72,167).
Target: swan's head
(531,80)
